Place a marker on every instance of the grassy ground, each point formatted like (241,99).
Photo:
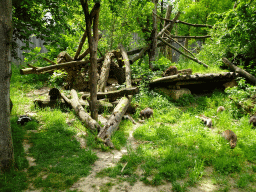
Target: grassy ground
(174,146)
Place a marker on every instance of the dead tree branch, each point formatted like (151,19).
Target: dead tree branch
(80,45)
(242,72)
(192,58)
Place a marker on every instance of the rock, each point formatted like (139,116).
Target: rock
(173,93)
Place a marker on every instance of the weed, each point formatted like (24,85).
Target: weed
(245,179)
(177,187)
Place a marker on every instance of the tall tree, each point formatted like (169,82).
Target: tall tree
(92,20)
(152,50)
(6,145)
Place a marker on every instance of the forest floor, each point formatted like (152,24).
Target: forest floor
(93,183)
(110,158)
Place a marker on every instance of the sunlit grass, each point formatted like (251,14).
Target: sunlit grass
(175,145)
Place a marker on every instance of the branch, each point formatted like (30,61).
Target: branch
(194,25)
(141,53)
(181,45)
(242,72)
(182,22)
(191,37)
(48,60)
(194,59)
(80,45)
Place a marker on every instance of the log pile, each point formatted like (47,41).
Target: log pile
(114,64)
(112,124)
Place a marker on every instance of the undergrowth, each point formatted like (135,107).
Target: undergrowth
(173,145)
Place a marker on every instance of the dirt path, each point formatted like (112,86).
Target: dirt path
(91,183)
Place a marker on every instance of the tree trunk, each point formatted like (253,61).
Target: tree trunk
(114,120)
(92,18)
(153,45)
(242,72)
(167,16)
(6,145)
(105,72)
(84,116)
(127,66)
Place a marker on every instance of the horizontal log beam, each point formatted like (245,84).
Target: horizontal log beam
(113,95)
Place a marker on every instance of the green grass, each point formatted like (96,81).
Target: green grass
(173,146)
(59,159)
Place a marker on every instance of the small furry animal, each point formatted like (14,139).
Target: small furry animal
(231,137)
(253,120)
(207,121)
(146,113)
(220,109)
(172,70)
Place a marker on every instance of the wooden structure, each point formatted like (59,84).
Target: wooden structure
(196,81)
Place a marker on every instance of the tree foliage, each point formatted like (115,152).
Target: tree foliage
(236,30)
(46,19)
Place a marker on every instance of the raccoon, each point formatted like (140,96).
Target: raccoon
(220,109)
(146,113)
(172,70)
(253,120)
(231,137)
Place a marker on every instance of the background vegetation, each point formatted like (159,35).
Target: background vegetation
(174,146)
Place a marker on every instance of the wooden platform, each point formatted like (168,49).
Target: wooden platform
(176,81)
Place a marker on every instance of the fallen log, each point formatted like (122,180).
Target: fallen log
(51,67)
(103,105)
(113,95)
(242,72)
(185,72)
(37,70)
(114,120)
(120,110)
(105,72)
(127,66)
(83,115)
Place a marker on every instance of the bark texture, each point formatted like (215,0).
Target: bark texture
(153,45)
(92,20)
(105,72)
(242,72)
(83,115)
(114,120)
(113,95)
(127,66)
(6,145)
